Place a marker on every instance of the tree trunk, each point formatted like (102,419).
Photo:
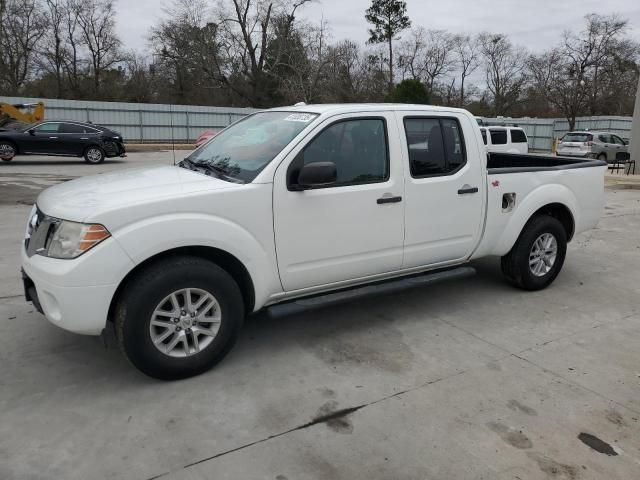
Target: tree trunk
(390,65)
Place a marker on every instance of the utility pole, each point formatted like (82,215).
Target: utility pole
(635,130)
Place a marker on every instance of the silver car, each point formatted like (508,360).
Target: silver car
(600,145)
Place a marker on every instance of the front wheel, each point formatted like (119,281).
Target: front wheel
(94,155)
(179,317)
(538,255)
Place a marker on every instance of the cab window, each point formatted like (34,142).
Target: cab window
(71,128)
(498,137)
(435,146)
(358,148)
(50,127)
(518,136)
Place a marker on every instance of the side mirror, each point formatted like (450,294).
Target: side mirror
(626,142)
(317,174)
(32,131)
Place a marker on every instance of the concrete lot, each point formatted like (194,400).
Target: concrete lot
(463,380)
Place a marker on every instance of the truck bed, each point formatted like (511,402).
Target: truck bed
(516,163)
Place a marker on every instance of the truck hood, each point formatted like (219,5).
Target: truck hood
(78,199)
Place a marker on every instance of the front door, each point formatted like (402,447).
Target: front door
(354,227)
(444,189)
(42,138)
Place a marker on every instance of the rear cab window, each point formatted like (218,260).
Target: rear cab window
(498,136)
(518,136)
(435,145)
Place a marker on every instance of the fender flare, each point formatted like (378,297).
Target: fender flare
(149,238)
(542,196)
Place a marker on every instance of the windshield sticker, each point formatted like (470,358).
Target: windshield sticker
(300,117)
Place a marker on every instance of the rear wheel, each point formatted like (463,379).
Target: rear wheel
(603,157)
(179,317)
(538,255)
(7,151)
(94,154)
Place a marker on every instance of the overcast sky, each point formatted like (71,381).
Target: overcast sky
(536,24)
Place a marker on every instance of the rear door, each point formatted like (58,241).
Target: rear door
(620,146)
(444,188)
(72,139)
(350,229)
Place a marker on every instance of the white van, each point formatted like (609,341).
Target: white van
(505,139)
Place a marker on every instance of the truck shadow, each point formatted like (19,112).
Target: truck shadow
(359,331)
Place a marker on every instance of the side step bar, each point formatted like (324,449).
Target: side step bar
(381,288)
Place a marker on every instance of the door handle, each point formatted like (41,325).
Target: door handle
(53,137)
(466,189)
(384,200)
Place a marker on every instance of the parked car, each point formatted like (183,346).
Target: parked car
(93,142)
(505,139)
(600,145)
(288,203)
(205,137)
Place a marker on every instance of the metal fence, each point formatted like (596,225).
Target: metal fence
(543,131)
(141,122)
(149,122)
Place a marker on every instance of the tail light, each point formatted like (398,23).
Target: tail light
(589,143)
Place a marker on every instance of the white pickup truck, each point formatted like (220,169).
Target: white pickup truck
(288,203)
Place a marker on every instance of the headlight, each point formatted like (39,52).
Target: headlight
(72,239)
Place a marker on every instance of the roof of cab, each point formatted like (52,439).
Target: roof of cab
(335,108)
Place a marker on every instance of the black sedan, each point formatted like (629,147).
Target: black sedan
(52,137)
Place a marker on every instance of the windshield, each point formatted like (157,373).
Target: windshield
(241,151)
(577,137)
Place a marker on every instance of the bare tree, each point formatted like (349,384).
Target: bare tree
(561,82)
(53,53)
(505,71)
(249,27)
(427,56)
(305,67)
(588,71)
(592,47)
(467,52)
(96,19)
(23,25)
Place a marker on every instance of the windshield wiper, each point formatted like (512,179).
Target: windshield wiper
(208,169)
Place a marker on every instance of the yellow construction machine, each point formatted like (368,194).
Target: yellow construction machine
(20,113)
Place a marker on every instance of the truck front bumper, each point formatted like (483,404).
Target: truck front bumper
(64,291)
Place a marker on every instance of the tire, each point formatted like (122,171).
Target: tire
(603,157)
(143,296)
(7,151)
(94,155)
(516,265)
